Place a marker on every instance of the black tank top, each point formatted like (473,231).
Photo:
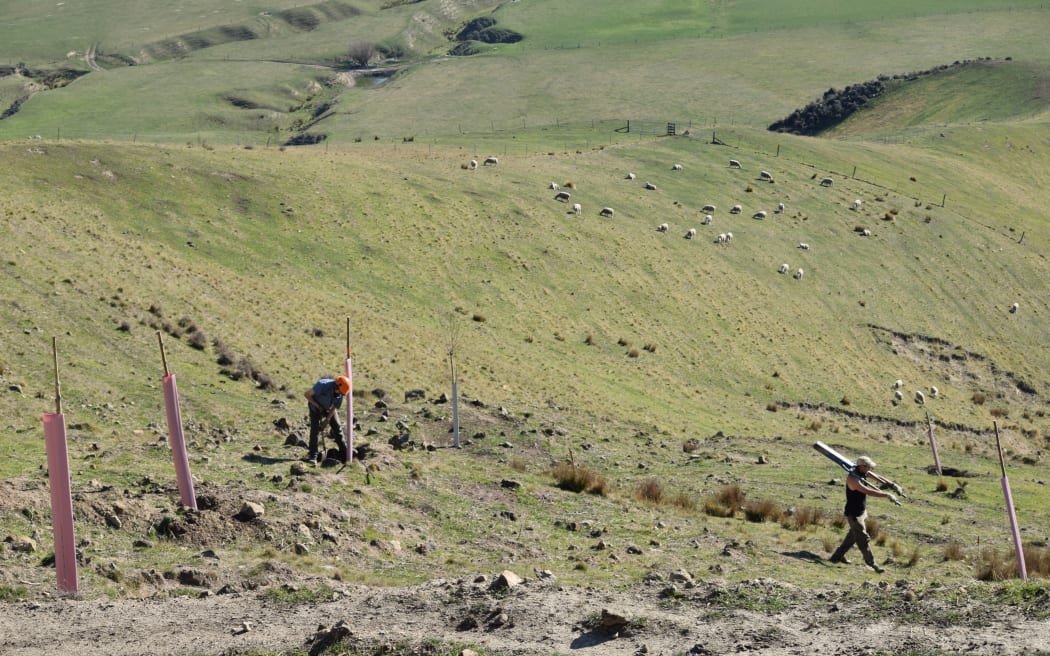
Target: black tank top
(856,502)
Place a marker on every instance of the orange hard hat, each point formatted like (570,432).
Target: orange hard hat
(342,383)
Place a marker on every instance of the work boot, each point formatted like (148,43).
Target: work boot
(877,569)
(312,457)
(840,559)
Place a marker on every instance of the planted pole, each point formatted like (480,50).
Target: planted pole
(176,439)
(933,444)
(61,492)
(349,400)
(453,338)
(1018,547)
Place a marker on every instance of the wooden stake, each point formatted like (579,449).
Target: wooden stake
(163,358)
(58,385)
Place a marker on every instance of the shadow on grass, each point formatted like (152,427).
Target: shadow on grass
(808,556)
(265,460)
(592,638)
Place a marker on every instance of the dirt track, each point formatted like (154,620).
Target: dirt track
(536,617)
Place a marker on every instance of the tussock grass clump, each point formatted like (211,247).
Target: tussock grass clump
(979,398)
(650,491)
(726,502)
(763,510)
(573,478)
(803,518)
(953,551)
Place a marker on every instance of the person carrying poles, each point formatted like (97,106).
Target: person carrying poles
(323,399)
(857,493)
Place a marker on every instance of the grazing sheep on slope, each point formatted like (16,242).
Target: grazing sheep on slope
(803,245)
(1014,308)
(491,161)
(765,175)
(473,164)
(563,196)
(676,167)
(759,215)
(856,205)
(629,176)
(690,233)
(553,186)
(898,395)
(783,268)
(606,211)
(736,209)
(729,237)
(733,164)
(799,274)
(577,209)
(650,186)
(709,209)
(897,384)
(663,227)
(707,219)
(826,182)
(934,392)
(920,398)
(780,208)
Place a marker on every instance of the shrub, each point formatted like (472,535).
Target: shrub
(978,398)
(725,503)
(803,518)
(953,551)
(198,340)
(683,501)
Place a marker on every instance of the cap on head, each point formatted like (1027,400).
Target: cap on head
(342,383)
(866,461)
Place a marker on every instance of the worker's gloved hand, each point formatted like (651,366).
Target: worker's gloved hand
(893,499)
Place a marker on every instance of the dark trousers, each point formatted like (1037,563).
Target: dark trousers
(335,431)
(858,535)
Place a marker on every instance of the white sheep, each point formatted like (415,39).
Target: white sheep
(765,175)
(736,209)
(720,239)
(577,209)
(780,208)
(783,268)
(491,161)
(826,182)
(856,205)
(897,384)
(934,392)
(898,395)
(799,274)
(663,227)
(1014,308)
(729,237)
(865,232)
(606,211)
(690,233)
(803,245)
(707,220)
(761,214)
(733,164)
(473,164)
(553,186)
(920,398)
(650,186)
(708,209)
(676,167)
(629,176)
(562,196)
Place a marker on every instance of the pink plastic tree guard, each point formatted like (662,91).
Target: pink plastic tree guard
(61,501)
(178,443)
(349,411)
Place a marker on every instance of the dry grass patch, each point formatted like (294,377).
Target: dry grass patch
(569,476)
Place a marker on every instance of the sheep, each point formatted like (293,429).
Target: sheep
(1014,308)
(629,176)
(826,182)
(897,384)
(898,395)
(733,164)
(856,205)
(783,268)
(650,186)
(736,209)
(553,186)
(491,161)
(803,245)
(708,209)
(606,211)
(663,227)
(934,392)
(562,196)
(759,215)
(707,219)
(729,237)
(799,274)
(866,232)
(780,208)
(765,175)
(690,233)
(473,164)
(676,167)
(920,398)
(577,209)
(720,239)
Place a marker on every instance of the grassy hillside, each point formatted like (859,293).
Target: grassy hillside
(641,355)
